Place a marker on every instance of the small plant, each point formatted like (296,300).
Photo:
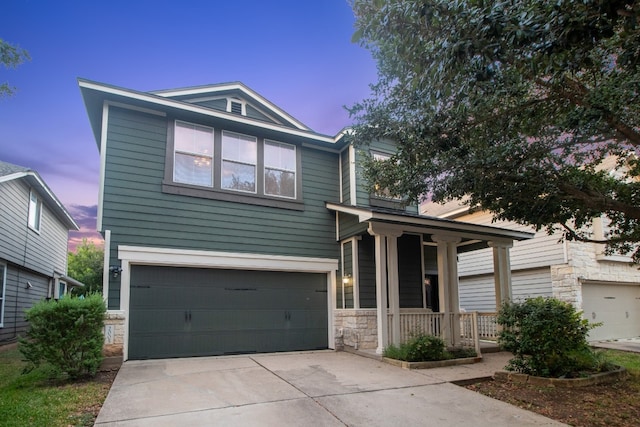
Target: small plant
(67,334)
(547,337)
(424,348)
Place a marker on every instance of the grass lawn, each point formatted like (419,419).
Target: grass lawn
(34,399)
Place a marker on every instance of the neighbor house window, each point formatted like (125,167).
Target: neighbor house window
(193,154)
(35,210)
(3,281)
(239,162)
(279,169)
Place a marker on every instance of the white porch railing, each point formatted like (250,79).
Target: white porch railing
(416,320)
(487,326)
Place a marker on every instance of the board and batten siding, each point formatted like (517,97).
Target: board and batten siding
(543,250)
(43,251)
(478,292)
(138,213)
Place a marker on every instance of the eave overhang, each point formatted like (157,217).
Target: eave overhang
(34,180)
(96,94)
(431,225)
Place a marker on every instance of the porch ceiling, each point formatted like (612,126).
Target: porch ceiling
(473,236)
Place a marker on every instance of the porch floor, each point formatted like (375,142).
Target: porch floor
(492,361)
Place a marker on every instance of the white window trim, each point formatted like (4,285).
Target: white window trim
(138,255)
(295,171)
(188,153)
(243,105)
(255,165)
(39,208)
(3,292)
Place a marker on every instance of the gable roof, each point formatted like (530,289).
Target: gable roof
(198,94)
(190,100)
(9,172)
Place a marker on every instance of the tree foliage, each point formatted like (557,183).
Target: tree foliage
(514,106)
(11,56)
(86,265)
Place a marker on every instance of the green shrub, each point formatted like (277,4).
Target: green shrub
(67,334)
(424,348)
(547,337)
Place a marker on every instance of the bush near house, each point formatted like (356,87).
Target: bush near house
(548,338)
(67,334)
(424,348)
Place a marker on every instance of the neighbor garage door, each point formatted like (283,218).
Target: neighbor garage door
(179,312)
(616,306)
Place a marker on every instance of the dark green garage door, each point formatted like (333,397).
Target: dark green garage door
(178,312)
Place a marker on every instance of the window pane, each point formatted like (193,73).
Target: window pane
(194,139)
(236,176)
(279,183)
(239,148)
(194,170)
(35,205)
(279,156)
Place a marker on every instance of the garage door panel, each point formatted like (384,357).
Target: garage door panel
(177,312)
(616,306)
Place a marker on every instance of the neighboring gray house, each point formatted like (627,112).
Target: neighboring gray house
(34,230)
(231,227)
(605,287)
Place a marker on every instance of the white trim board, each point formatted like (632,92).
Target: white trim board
(139,255)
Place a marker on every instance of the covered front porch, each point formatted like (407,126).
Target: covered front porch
(399,275)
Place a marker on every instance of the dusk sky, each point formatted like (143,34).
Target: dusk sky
(297,54)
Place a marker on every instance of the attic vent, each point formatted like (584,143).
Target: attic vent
(236,107)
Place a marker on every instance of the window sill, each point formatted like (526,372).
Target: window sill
(231,196)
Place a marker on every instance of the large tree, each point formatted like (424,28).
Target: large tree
(86,266)
(514,106)
(11,56)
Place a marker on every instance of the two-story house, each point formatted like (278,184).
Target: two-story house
(605,287)
(232,227)
(34,230)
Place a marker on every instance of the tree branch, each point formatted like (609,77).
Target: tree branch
(600,201)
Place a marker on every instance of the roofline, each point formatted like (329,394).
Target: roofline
(365,214)
(170,103)
(57,205)
(197,90)
(68,280)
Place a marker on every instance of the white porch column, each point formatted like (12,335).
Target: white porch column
(386,254)
(501,271)
(448,280)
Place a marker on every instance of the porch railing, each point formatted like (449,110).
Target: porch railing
(440,325)
(487,326)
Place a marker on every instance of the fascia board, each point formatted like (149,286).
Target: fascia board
(200,90)
(170,103)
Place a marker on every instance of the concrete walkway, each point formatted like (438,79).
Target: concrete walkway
(628,344)
(322,388)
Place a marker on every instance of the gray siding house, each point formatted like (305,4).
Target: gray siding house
(34,230)
(232,227)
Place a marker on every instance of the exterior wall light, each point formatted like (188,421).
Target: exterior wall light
(115,271)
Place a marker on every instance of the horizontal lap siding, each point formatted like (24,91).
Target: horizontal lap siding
(18,298)
(43,252)
(138,213)
(478,292)
(346,176)
(542,250)
(14,210)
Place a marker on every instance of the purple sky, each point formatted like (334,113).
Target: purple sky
(298,54)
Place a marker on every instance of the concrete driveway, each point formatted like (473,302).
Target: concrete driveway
(323,388)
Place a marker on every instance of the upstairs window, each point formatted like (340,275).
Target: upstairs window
(193,154)
(279,169)
(228,165)
(239,162)
(35,211)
